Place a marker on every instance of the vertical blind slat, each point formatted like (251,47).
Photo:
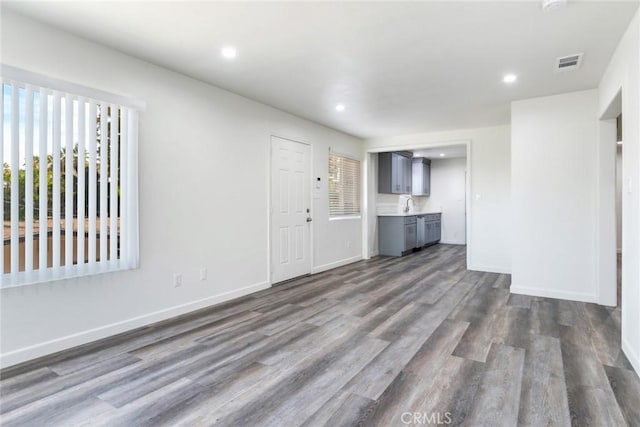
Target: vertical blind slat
(132,188)
(15,189)
(43,226)
(2,163)
(92,135)
(113,180)
(28,181)
(124,192)
(82,132)
(104,159)
(57,129)
(68,181)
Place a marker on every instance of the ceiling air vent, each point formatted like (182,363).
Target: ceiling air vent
(571,62)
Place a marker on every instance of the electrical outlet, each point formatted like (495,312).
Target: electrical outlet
(177,280)
(203,274)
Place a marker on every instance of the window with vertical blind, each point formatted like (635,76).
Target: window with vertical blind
(69,199)
(344,186)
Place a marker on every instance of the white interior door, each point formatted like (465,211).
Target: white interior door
(290,210)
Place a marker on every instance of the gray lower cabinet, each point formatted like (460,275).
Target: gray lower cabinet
(400,235)
(396,235)
(421,231)
(433,228)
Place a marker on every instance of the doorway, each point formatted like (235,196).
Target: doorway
(290,209)
(610,156)
(458,203)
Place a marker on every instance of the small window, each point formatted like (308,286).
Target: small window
(69,184)
(344,186)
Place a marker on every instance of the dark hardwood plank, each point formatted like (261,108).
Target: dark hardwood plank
(456,386)
(412,385)
(626,388)
(26,380)
(544,394)
(342,410)
(497,400)
(58,384)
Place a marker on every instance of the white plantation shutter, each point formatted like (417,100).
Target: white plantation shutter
(69,199)
(344,185)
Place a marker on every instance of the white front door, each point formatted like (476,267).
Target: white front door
(290,210)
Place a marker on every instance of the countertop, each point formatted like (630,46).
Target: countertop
(408,213)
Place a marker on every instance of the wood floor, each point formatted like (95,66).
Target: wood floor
(387,342)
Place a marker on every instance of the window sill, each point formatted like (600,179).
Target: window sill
(343,217)
(62,273)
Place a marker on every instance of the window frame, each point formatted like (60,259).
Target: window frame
(129,235)
(358,191)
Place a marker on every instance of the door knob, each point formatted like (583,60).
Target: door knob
(309,219)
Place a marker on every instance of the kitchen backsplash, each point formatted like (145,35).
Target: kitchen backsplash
(392,203)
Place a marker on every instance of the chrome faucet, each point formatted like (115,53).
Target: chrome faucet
(406,208)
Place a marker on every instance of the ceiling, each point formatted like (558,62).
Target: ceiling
(398,67)
(449,151)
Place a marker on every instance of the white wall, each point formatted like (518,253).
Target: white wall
(448,196)
(553,159)
(623,73)
(489,236)
(204,194)
(619,199)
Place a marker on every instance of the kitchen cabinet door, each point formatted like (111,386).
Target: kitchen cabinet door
(397,176)
(409,236)
(406,168)
(426,179)
(421,176)
(394,173)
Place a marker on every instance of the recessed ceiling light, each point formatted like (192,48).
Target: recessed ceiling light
(339,107)
(441,154)
(229,52)
(510,78)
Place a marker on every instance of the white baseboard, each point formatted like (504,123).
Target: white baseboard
(546,293)
(336,264)
(488,269)
(631,355)
(31,352)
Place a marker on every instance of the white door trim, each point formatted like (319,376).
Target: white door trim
(605,269)
(368,206)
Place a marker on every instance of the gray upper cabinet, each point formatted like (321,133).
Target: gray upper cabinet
(421,176)
(406,175)
(395,172)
